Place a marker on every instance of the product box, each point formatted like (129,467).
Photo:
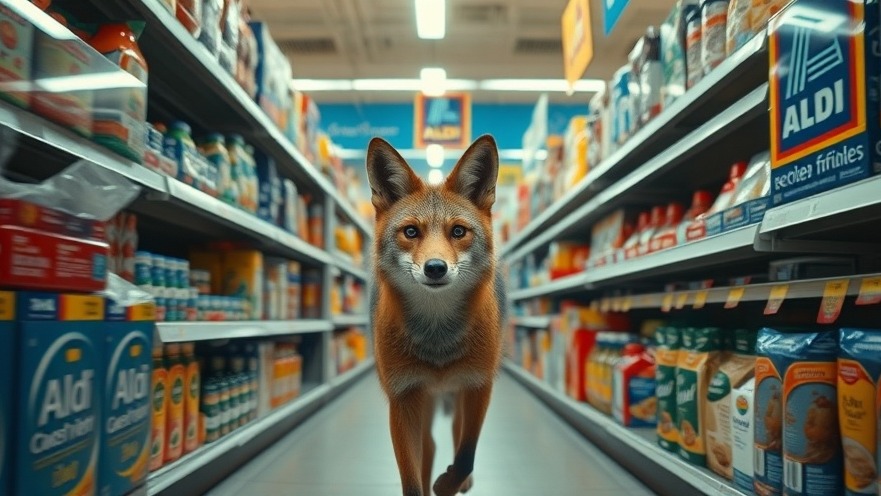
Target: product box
(270,196)
(243,277)
(824,103)
(750,212)
(55,60)
(17,41)
(273,76)
(125,432)
(36,259)
(26,214)
(7,368)
(59,394)
(742,434)
(211,262)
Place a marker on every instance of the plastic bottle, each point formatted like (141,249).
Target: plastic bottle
(241,174)
(174,434)
(191,403)
(179,146)
(658,220)
(210,407)
(214,149)
(723,201)
(631,246)
(160,409)
(701,201)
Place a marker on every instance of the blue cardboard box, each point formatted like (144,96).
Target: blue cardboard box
(126,386)
(747,213)
(824,102)
(58,422)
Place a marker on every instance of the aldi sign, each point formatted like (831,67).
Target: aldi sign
(443,120)
(824,111)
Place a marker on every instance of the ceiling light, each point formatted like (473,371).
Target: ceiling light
(435,177)
(434,155)
(433,81)
(322,84)
(541,85)
(412,84)
(431,19)
(387,85)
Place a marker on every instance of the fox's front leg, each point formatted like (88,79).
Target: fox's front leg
(406,416)
(472,411)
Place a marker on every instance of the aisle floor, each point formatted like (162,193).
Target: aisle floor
(345,449)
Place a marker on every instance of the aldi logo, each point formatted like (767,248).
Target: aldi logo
(819,77)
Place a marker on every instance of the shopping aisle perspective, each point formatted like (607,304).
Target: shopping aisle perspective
(525,450)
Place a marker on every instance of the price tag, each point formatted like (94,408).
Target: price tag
(870,291)
(775,299)
(605,305)
(667,302)
(833,299)
(681,299)
(627,305)
(734,296)
(700,299)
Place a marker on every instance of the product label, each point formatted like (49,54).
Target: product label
(859,367)
(768,429)
(714,20)
(191,407)
(668,423)
(159,401)
(818,98)
(742,434)
(175,420)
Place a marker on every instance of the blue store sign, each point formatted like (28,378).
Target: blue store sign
(612,10)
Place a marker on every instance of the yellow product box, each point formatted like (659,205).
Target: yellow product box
(211,261)
(243,277)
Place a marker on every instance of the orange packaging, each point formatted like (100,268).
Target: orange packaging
(192,387)
(634,403)
(189,13)
(174,431)
(160,409)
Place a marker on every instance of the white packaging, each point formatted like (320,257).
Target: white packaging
(742,428)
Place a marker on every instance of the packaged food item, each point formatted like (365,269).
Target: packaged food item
(651,76)
(608,237)
(174,430)
(270,197)
(273,76)
(171,5)
(630,249)
(668,342)
(181,148)
(159,405)
(214,150)
(127,402)
(17,40)
(311,307)
(657,221)
(599,127)
(243,172)
(743,434)
(672,33)
(691,228)
(192,391)
(691,12)
(53,60)
(246,55)
(120,114)
(316,224)
(7,405)
(634,403)
(243,277)
(751,197)
(762,10)
(736,367)
(840,114)
(294,287)
(738,29)
(768,474)
(666,236)
(624,120)
(229,39)
(698,362)
(714,27)
(210,34)
(59,418)
(189,13)
(859,370)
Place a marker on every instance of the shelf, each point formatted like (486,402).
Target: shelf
(568,284)
(532,322)
(640,181)
(350,320)
(171,332)
(799,289)
(345,263)
(737,76)
(196,83)
(182,476)
(635,449)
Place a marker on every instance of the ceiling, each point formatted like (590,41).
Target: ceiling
(485,39)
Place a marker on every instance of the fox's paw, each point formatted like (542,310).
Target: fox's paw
(449,483)
(466,486)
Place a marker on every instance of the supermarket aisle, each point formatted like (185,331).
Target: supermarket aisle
(346,450)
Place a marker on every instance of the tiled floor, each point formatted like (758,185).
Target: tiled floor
(345,450)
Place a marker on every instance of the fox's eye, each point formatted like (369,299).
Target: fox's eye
(459,232)
(411,232)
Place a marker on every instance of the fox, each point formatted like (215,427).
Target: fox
(437,306)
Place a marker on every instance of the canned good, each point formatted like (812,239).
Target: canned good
(143,268)
(211,410)
(223,388)
(158,271)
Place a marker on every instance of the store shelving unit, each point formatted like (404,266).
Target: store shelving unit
(635,449)
(185,82)
(196,472)
(350,320)
(539,322)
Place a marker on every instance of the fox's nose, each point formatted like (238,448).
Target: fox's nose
(435,268)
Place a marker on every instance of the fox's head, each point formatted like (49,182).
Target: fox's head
(434,238)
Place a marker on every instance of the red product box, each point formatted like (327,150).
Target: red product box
(33,259)
(27,214)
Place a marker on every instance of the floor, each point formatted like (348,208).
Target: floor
(345,450)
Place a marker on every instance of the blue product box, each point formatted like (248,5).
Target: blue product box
(59,393)
(824,101)
(270,192)
(273,76)
(126,386)
(747,213)
(7,368)
(714,224)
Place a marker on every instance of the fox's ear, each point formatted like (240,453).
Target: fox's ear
(474,176)
(389,175)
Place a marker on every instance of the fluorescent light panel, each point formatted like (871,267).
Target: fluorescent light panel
(434,155)
(431,19)
(405,84)
(434,80)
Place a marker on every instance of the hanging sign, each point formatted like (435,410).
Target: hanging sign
(577,40)
(443,120)
(612,10)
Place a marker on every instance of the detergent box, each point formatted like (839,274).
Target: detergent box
(824,102)
(60,363)
(7,366)
(125,431)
